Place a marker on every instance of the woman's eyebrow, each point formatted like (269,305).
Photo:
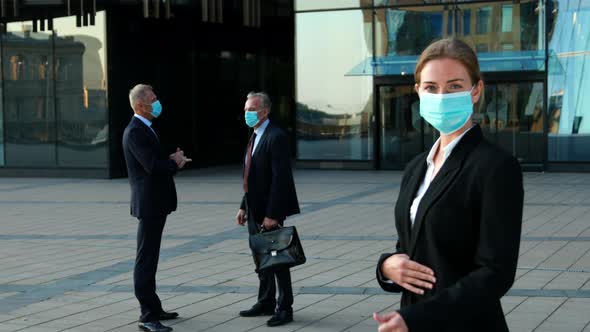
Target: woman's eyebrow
(455,80)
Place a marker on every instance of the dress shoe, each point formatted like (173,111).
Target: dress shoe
(257,310)
(155,326)
(281,317)
(167,315)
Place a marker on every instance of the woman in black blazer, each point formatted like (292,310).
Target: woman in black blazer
(459,211)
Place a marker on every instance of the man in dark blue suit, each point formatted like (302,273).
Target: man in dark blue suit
(153,198)
(269,197)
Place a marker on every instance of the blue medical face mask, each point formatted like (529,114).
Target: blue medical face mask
(251,118)
(156,109)
(446,112)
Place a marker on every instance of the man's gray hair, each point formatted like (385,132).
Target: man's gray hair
(264,98)
(138,94)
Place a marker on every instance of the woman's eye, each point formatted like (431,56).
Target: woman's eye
(430,88)
(456,87)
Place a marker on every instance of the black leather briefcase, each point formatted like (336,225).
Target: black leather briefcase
(277,248)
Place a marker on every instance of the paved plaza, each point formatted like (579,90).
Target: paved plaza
(67,249)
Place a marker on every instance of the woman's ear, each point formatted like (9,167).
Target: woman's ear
(478,90)
(417,88)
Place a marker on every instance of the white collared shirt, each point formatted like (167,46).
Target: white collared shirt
(430,172)
(259,132)
(146,122)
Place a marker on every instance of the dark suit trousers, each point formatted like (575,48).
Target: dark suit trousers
(149,238)
(267,287)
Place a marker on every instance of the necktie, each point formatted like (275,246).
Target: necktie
(248,161)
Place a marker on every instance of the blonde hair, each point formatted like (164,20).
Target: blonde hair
(450,48)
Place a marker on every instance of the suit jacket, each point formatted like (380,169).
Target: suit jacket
(153,193)
(467,230)
(271,189)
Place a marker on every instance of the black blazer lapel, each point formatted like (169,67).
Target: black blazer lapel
(262,143)
(407,198)
(152,135)
(445,177)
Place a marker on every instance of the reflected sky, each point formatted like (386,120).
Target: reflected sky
(329,44)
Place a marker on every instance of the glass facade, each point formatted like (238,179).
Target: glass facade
(534,55)
(568,112)
(511,116)
(81,98)
(54,108)
(403,134)
(29,117)
(60,115)
(334,117)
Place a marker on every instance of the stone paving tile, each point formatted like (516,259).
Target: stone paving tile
(532,312)
(569,280)
(71,269)
(541,253)
(572,315)
(356,313)
(535,279)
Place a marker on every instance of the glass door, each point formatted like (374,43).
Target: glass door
(512,117)
(403,133)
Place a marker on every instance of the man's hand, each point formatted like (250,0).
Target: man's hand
(241,217)
(391,322)
(179,158)
(269,223)
(407,273)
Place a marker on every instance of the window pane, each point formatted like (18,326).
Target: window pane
(334,109)
(28,97)
(484,19)
(402,128)
(569,70)
(466,22)
(512,118)
(81,86)
(506,18)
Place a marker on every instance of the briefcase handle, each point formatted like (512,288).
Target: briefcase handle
(262,229)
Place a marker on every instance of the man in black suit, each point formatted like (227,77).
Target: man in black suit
(269,197)
(153,197)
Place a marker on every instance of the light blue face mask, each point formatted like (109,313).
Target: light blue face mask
(251,118)
(156,109)
(446,112)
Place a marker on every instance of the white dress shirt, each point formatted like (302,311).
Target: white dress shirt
(146,122)
(259,132)
(430,171)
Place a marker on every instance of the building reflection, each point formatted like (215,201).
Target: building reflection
(55,113)
(511,40)
(313,124)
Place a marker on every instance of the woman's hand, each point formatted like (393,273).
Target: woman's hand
(410,275)
(391,322)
